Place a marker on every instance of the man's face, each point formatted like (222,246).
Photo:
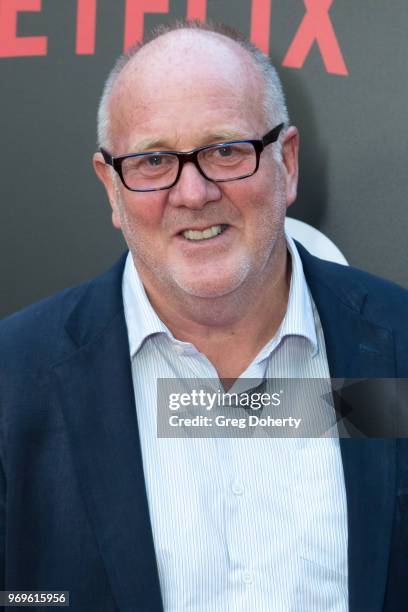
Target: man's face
(177,100)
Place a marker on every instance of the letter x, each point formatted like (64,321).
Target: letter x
(316,26)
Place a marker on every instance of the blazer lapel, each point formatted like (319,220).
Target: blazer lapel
(357,348)
(95,391)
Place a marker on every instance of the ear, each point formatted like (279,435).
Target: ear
(290,158)
(104,173)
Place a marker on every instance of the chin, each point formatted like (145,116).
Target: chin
(209,286)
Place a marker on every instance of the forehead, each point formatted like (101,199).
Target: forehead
(187,86)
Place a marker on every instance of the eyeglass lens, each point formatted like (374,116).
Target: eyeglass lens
(218,163)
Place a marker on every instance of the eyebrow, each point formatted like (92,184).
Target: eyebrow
(148,143)
(157,144)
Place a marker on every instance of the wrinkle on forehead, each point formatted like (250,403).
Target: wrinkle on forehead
(180,64)
(176,51)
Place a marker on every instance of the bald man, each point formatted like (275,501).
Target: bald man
(199,162)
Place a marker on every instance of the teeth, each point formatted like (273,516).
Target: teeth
(210,232)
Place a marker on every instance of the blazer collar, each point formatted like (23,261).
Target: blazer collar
(99,303)
(358,347)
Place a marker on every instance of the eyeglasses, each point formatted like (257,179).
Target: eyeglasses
(227,161)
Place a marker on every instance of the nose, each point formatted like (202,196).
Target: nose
(192,189)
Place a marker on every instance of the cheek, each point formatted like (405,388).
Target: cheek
(265,212)
(143,212)
(260,201)
(271,193)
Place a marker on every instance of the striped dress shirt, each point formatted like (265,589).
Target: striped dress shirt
(240,524)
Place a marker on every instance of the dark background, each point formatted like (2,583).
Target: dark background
(55,226)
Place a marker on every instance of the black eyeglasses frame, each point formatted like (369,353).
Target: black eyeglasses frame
(192,156)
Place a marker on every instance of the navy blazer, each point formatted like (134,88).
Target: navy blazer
(73,507)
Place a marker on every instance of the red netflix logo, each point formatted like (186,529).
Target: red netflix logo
(315,27)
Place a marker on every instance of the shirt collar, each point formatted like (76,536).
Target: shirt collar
(299,319)
(142,320)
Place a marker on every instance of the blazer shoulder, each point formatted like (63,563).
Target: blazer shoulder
(377,299)
(384,302)
(38,332)
(38,328)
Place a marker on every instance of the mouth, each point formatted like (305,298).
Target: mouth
(205,234)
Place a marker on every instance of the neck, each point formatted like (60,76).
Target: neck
(232,329)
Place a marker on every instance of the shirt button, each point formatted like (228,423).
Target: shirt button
(179,349)
(237,488)
(248,577)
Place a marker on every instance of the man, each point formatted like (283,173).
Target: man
(199,163)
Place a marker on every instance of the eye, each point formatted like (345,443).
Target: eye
(154,160)
(225,151)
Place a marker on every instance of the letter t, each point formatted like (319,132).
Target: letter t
(134,18)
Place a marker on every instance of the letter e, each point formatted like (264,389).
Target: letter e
(12,45)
